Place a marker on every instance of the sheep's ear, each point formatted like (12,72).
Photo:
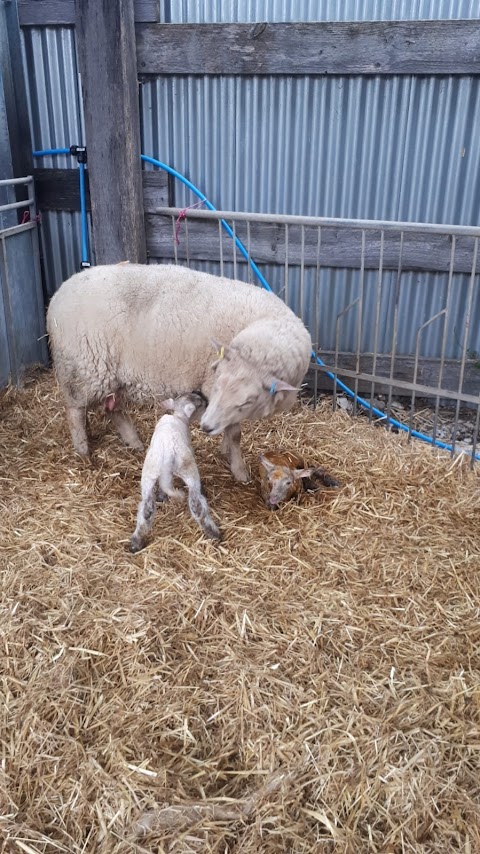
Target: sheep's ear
(189,409)
(169,403)
(223,351)
(266,463)
(298,473)
(279,385)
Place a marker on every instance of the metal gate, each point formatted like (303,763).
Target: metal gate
(22,314)
(354,284)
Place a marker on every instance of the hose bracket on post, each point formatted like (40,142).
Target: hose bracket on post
(80,152)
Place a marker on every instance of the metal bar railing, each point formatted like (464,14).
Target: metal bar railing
(358,224)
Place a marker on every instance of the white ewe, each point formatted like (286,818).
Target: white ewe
(133,331)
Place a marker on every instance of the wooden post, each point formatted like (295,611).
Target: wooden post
(106,48)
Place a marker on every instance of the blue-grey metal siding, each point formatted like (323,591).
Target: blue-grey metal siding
(56,121)
(378,147)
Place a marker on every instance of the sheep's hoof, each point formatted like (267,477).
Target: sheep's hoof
(82,450)
(241,473)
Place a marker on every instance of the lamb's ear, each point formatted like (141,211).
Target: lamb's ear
(279,385)
(298,473)
(189,409)
(266,463)
(169,403)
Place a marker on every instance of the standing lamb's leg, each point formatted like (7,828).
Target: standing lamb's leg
(77,422)
(145,515)
(198,504)
(230,448)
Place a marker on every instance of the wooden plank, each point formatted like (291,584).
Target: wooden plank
(58,189)
(61,13)
(367,47)
(106,48)
(155,189)
(428,373)
(340,247)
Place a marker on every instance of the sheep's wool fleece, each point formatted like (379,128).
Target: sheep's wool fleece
(149,330)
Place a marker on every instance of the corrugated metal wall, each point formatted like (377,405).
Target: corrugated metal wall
(56,121)
(361,147)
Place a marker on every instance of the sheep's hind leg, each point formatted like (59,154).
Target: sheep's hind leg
(125,428)
(114,408)
(77,422)
(230,448)
(145,516)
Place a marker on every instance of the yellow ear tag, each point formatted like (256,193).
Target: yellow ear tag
(221,353)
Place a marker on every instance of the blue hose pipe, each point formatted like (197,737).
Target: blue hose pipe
(49,152)
(83,215)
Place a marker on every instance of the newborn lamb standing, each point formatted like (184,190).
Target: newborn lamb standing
(171,453)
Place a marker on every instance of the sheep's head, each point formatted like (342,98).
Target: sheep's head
(241,392)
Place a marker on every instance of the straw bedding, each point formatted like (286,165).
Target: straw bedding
(310,685)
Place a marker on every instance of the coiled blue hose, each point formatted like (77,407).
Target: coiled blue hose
(348,391)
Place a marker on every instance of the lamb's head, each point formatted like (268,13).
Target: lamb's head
(189,407)
(241,392)
(280,482)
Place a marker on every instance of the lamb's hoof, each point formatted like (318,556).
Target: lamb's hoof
(136,446)
(213,533)
(136,545)
(329,481)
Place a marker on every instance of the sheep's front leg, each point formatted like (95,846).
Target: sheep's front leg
(77,422)
(198,505)
(145,515)
(230,448)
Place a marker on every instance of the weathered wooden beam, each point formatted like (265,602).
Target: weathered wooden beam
(339,247)
(427,375)
(61,13)
(106,47)
(156,186)
(367,47)
(58,189)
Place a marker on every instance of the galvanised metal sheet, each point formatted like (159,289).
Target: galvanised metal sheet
(223,11)
(378,147)
(56,121)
